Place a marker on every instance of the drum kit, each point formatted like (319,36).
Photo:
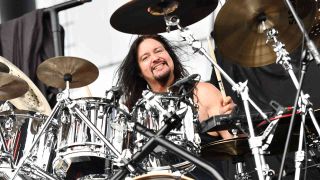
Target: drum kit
(98,138)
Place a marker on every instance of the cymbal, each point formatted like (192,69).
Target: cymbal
(238,31)
(147,17)
(158,175)
(11,86)
(33,99)
(52,71)
(225,149)
(4,68)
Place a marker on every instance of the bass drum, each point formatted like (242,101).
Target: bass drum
(80,151)
(186,136)
(19,128)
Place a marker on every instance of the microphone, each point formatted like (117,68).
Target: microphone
(114,93)
(188,79)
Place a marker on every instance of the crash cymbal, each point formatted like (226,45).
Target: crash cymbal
(225,149)
(4,68)
(33,99)
(11,86)
(52,71)
(147,17)
(238,31)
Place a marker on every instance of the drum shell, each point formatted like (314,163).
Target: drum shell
(78,144)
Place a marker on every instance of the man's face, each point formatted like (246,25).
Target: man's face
(154,61)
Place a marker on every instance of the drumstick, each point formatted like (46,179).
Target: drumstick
(218,75)
(87,91)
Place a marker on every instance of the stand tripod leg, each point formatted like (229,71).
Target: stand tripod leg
(36,140)
(254,142)
(300,154)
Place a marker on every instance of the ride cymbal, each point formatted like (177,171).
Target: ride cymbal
(239,35)
(147,17)
(11,86)
(53,71)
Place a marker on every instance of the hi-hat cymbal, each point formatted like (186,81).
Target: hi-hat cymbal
(147,17)
(52,71)
(225,149)
(11,86)
(239,35)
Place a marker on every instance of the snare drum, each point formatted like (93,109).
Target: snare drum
(186,136)
(19,128)
(78,145)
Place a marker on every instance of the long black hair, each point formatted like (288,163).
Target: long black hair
(129,80)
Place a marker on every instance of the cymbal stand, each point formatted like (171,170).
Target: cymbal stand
(241,174)
(63,100)
(5,152)
(36,140)
(264,172)
(305,105)
(6,106)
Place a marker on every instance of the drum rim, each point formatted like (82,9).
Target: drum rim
(183,166)
(90,98)
(161,174)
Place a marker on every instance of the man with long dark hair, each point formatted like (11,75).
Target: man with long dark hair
(151,63)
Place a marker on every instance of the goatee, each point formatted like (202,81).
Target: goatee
(163,79)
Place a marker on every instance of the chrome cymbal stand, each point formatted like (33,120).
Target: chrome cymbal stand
(63,100)
(255,142)
(240,174)
(7,106)
(5,153)
(305,105)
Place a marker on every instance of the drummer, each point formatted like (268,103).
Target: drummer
(151,63)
